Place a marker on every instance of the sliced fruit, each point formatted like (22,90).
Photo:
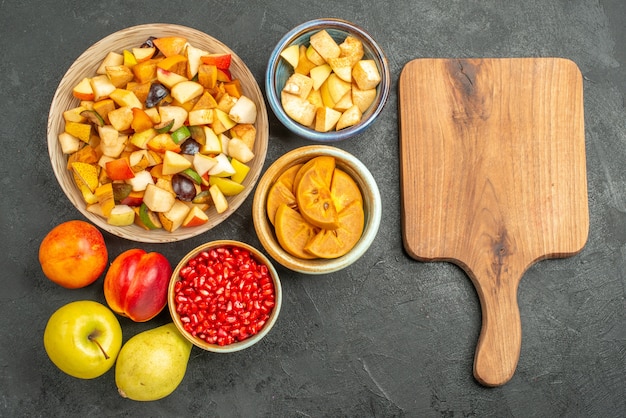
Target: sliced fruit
(313,193)
(344,190)
(121,215)
(219,200)
(338,242)
(293,232)
(158,199)
(174,217)
(195,217)
(147,219)
(291,54)
(279,194)
(241,170)
(88,173)
(174,163)
(227,186)
(170,45)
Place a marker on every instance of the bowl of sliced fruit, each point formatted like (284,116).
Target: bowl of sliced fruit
(317,209)
(157,133)
(327,80)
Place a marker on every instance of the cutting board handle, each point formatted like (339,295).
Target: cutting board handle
(500,341)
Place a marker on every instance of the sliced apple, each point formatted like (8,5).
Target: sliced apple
(219,200)
(314,56)
(195,217)
(223,168)
(69,143)
(174,163)
(244,111)
(352,48)
(158,199)
(363,98)
(140,181)
(342,66)
(222,121)
(101,87)
(186,90)
(121,215)
(168,78)
(129,58)
(226,185)
(200,117)
(194,59)
(212,143)
(203,163)
(176,113)
(291,54)
(319,74)
(141,139)
(349,118)
(304,64)
(110,60)
(241,170)
(344,103)
(83,90)
(337,87)
(239,150)
(143,54)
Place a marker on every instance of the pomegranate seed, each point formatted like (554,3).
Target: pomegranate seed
(224,295)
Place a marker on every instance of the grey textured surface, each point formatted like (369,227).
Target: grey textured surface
(388,336)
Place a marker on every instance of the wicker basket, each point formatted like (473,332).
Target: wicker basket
(87,64)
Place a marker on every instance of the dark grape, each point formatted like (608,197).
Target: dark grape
(183,187)
(190,146)
(157,93)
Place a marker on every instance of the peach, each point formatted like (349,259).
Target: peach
(73,254)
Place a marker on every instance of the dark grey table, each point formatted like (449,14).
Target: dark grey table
(388,336)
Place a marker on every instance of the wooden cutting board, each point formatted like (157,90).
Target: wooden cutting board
(493,178)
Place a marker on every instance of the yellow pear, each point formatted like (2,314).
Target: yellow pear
(152,364)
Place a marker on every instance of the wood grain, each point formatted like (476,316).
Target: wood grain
(493,178)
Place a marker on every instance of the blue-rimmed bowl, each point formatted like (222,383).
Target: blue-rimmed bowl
(278,71)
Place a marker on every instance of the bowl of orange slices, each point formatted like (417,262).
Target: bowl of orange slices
(317,209)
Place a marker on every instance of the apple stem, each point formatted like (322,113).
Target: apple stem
(93,339)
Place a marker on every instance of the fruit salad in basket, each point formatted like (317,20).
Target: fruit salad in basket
(161,132)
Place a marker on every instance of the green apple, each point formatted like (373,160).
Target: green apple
(83,339)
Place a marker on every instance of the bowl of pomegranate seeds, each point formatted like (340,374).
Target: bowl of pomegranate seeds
(224,296)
